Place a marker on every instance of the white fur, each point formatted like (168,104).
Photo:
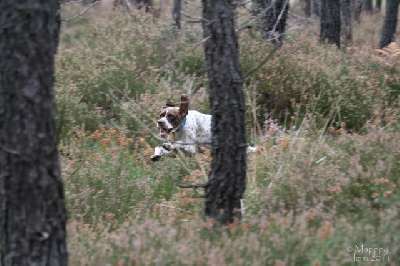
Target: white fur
(197,131)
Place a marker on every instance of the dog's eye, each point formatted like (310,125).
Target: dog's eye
(171,117)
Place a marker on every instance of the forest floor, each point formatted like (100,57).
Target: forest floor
(323,187)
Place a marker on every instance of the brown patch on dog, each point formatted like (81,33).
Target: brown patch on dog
(184,107)
(173,116)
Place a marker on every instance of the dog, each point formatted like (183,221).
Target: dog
(185,129)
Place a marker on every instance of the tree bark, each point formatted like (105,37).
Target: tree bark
(32,204)
(390,23)
(368,6)
(316,8)
(226,183)
(378,5)
(346,21)
(330,22)
(307,8)
(176,13)
(275,19)
(357,8)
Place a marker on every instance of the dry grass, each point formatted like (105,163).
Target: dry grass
(313,190)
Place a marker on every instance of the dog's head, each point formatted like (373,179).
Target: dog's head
(171,116)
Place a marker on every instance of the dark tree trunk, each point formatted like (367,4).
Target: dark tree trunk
(316,8)
(390,23)
(228,169)
(307,8)
(346,21)
(357,8)
(378,5)
(176,13)
(368,6)
(275,19)
(330,22)
(32,204)
(146,3)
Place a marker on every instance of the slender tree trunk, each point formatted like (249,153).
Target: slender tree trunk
(357,8)
(307,8)
(275,19)
(368,6)
(378,5)
(176,13)
(146,3)
(228,169)
(32,205)
(330,22)
(346,21)
(316,7)
(390,23)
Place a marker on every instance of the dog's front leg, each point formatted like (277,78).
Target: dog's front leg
(190,149)
(162,151)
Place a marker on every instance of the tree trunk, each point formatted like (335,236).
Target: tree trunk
(275,19)
(32,204)
(307,8)
(228,169)
(176,13)
(357,8)
(378,5)
(368,6)
(390,23)
(330,22)
(146,3)
(316,8)
(346,21)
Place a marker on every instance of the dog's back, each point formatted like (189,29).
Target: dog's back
(197,129)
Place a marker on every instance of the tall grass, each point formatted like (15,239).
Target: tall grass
(323,182)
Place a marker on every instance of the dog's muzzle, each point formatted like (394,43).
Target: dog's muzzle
(164,131)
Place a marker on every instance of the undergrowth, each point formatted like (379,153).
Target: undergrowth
(323,183)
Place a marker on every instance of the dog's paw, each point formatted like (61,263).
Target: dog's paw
(155,157)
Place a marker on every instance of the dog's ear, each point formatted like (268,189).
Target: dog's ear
(169,104)
(184,107)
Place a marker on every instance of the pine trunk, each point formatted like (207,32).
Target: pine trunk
(275,19)
(176,13)
(368,6)
(228,169)
(330,22)
(390,23)
(32,204)
(307,8)
(346,21)
(316,8)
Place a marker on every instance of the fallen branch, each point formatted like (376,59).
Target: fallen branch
(190,16)
(193,185)
(83,11)
(72,2)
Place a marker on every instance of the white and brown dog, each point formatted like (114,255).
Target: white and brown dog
(184,128)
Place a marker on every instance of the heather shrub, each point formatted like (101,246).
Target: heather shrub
(118,60)
(306,76)
(325,176)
